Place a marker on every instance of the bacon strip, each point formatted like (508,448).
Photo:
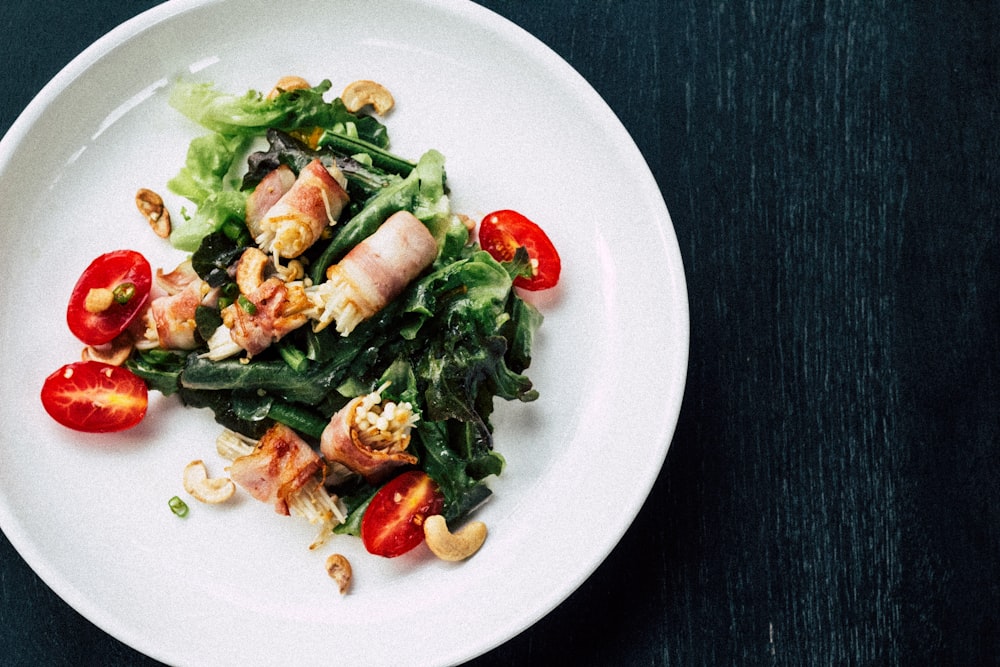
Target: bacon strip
(170,317)
(267,193)
(178,279)
(281,465)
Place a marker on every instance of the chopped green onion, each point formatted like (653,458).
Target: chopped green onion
(123,293)
(228,294)
(247,305)
(178,506)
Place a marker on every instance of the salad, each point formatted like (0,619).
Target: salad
(347,329)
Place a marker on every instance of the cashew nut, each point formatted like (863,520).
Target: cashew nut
(287,83)
(151,206)
(250,269)
(206,489)
(115,353)
(453,546)
(361,93)
(339,569)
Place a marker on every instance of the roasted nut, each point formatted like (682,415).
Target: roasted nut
(206,489)
(361,93)
(453,546)
(151,206)
(98,300)
(115,353)
(250,270)
(339,569)
(287,83)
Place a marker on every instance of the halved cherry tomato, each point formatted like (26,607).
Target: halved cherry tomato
(127,275)
(501,233)
(394,521)
(95,397)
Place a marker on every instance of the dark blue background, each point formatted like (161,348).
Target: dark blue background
(831,495)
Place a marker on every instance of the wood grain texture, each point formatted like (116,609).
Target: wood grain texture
(831,495)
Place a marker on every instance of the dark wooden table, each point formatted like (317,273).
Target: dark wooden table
(832,494)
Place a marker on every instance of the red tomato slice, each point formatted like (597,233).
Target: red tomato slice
(394,521)
(126,271)
(501,233)
(95,397)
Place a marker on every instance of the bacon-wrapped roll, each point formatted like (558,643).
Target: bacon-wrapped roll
(282,469)
(264,316)
(169,319)
(373,273)
(280,465)
(370,436)
(297,219)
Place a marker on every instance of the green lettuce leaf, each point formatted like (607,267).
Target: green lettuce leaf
(209,159)
(252,113)
(215,210)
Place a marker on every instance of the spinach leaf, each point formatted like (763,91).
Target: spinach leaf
(215,254)
(160,369)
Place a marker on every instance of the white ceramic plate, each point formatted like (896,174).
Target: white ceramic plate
(236,584)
